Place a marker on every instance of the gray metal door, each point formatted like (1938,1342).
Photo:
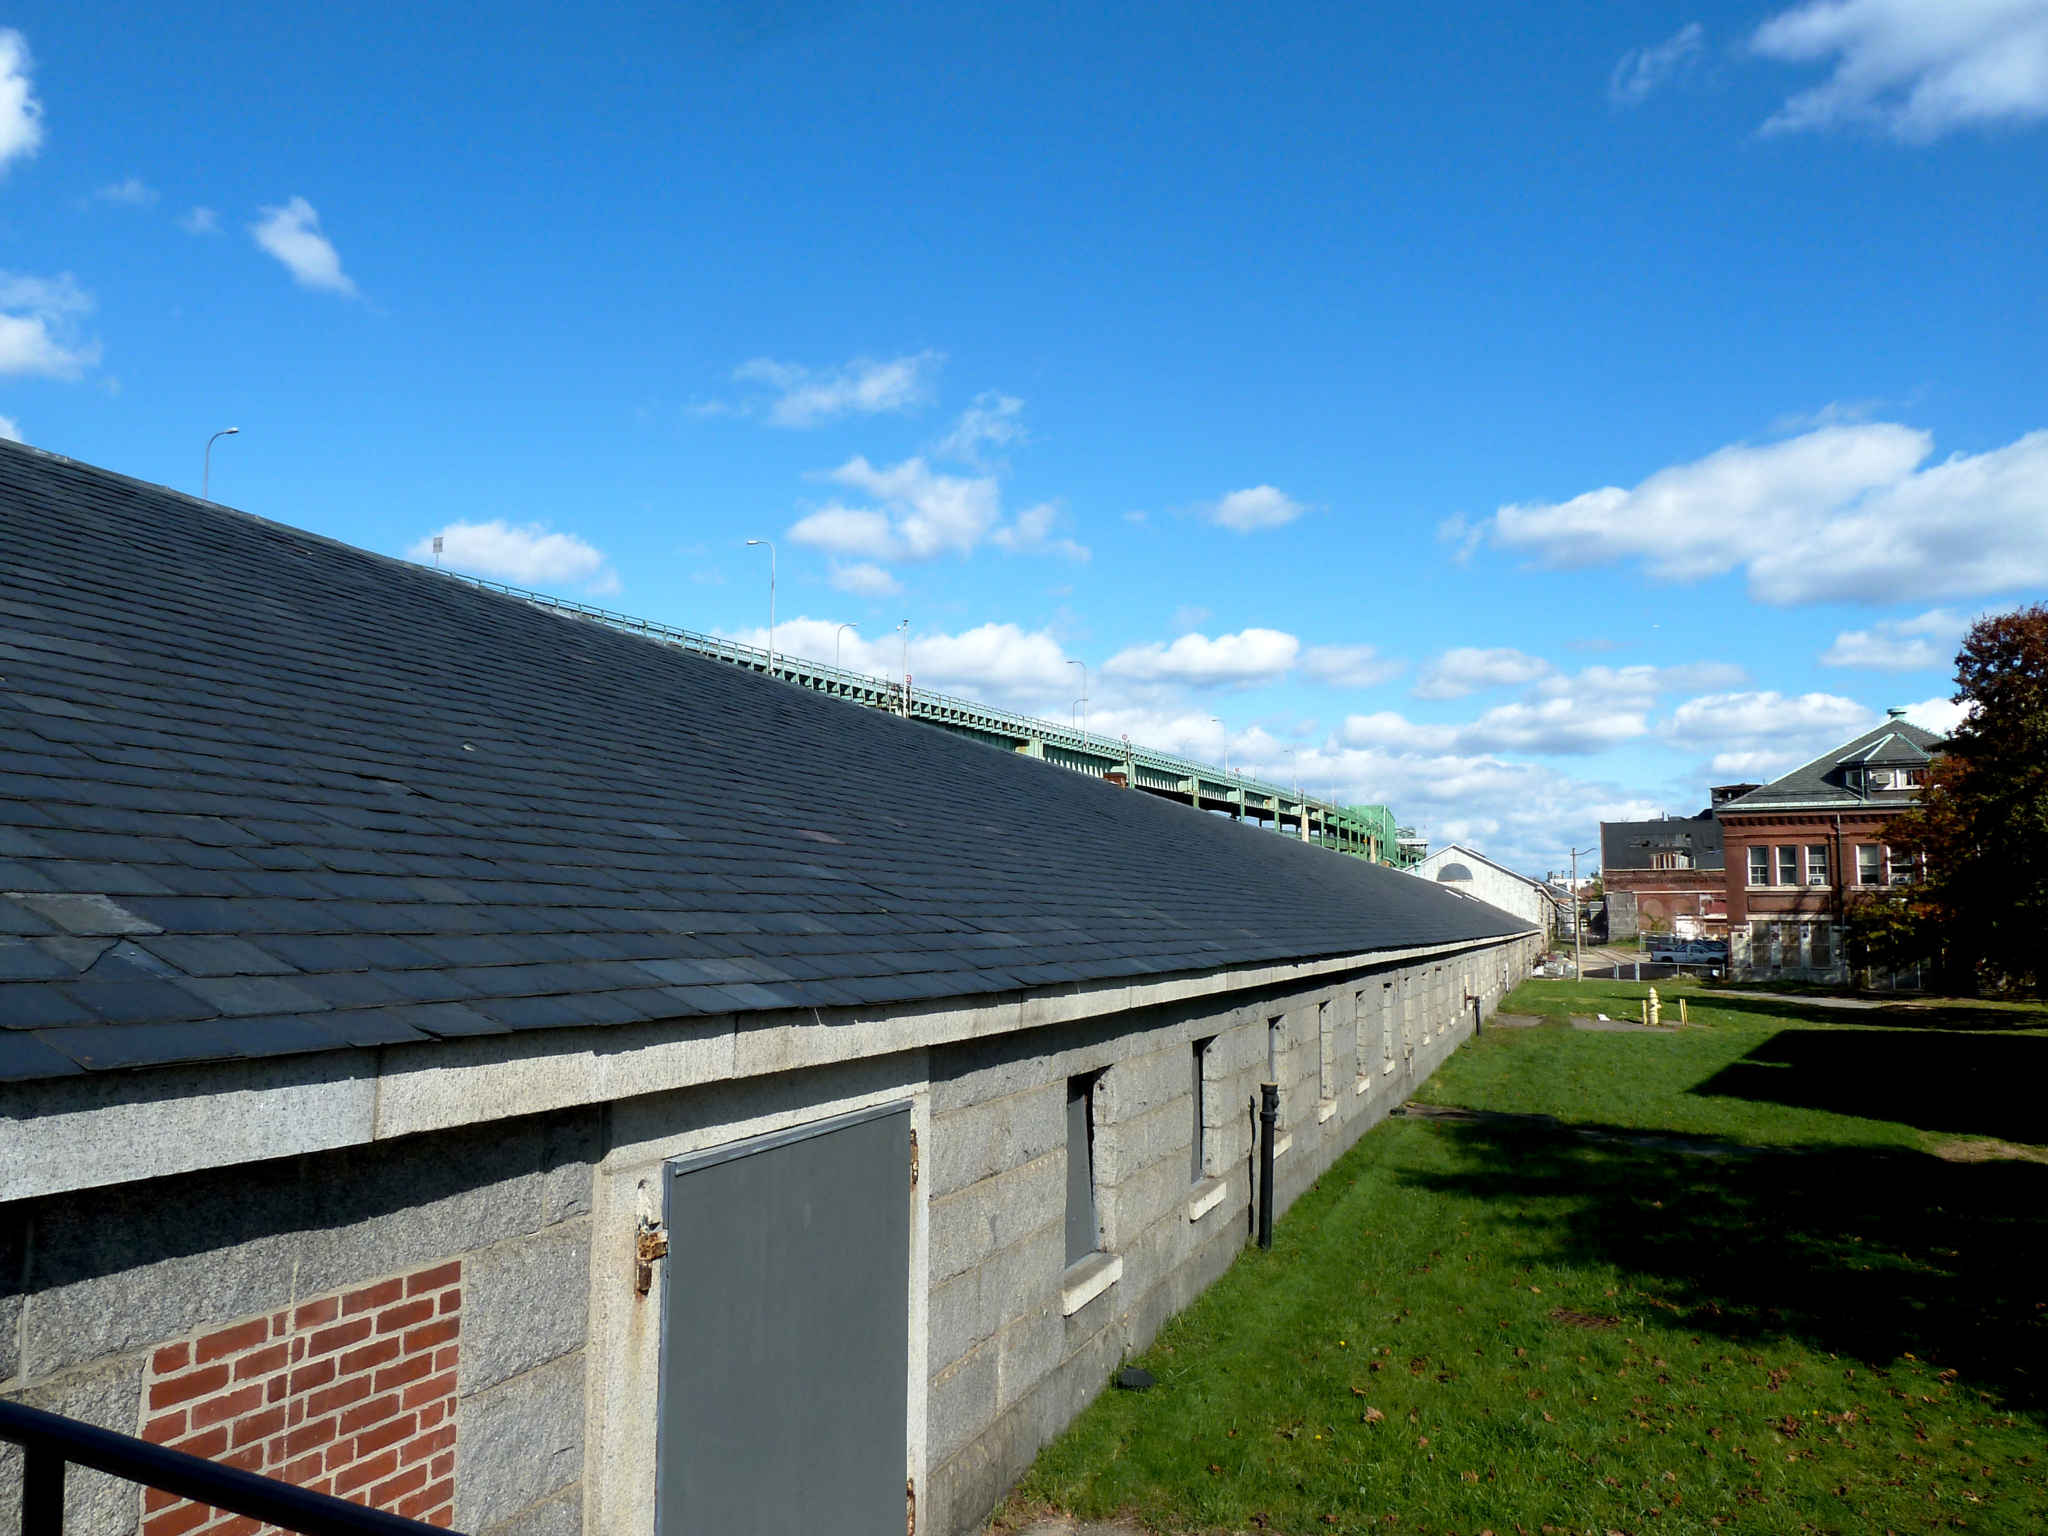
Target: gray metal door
(786,1334)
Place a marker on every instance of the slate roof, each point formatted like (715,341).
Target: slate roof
(1823,784)
(262,793)
(1634,844)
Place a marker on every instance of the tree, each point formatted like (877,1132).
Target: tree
(1982,822)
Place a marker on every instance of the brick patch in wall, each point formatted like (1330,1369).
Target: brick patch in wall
(350,1393)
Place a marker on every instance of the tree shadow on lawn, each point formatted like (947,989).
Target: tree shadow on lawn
(1981,1085)
(1886,1015)
(1866,1253)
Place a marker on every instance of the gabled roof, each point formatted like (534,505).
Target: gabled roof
(1825,783)
(263,793)
(1634,844)
(1428,866)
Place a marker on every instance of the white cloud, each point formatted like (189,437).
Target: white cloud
(1642,70)
(1761,734)
(1552,727)
(1939,715)
(1842,512)
(200,221)
(10,429)
(526,555)
(1467,669)
(132,193)
(865,387)
(1000,664)
(1900,645)
(292,234)
(1032,534)
(1350,666)
(1260,506)
(39,326)
(21,114)
(864,580)
(1228,661)
(993,420)
(1916,68)
(1641,686)
(921,513)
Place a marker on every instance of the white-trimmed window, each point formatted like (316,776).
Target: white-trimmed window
(1759,866)
(1816,863)
(1788,864)
(1869,864)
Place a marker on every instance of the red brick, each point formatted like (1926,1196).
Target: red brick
(444,1518)
(443,1464)
(298,1350)
(231,1341)
(247,1459)
(450,1300)
(416,1507)
(340,1395)
(406,1370)
(433,1333)
(261,1362)
(444,1359)
(404,1315)
(427,1444)
(154,1499)
(385,1494)
(179,1388)
(369,1356)
(230,1405)
(371,1297)
(165,1427)
(309,1436)
(211,1443)
(426,1391)
(176,1520)
(295,1411)
(172,1357)
(307,1377)
(376,1411)
(302,1471)
(275,1391)
(363,1473)
(431,1413)
(313,1313)
(371,1440)
(241,1525)
(340,1454)
(433,1279)
(340,1336)
(257,1425)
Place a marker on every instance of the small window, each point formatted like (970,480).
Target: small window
(1759,866)
(1326,1074)
(1816,863)
(1898,870)
(1788,866)
(1084,1230)
(1361,1035)
(1387,1006)
(1880,778)
(1198,1165)
(1823,956)
(1913,778)
(1869,864)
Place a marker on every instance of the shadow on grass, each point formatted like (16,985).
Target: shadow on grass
(1866,1253)
(1979,1085)
(1891,1015)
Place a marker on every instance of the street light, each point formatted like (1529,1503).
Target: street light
(771,599)
(837,635)
(206,473)
(1083,700)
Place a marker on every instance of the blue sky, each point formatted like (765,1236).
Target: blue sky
(1517,417)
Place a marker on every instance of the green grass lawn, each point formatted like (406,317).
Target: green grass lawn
(1786,1270)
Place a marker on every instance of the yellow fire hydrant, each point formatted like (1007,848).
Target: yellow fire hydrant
(1653,1011)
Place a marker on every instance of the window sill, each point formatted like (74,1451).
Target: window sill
(1325,1110)
(1088,1279)
(1205,1197)
(1364,1083)
(1281,1145)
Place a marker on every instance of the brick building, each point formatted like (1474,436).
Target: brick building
(520,1074)
(1664,876)
(1802,848)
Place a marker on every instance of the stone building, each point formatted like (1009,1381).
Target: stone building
(517,1074)
(1802,849)
(1543,906)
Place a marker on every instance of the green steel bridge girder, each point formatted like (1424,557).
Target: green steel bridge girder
(1364,831)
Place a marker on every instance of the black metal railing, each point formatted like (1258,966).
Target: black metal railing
(50,1443)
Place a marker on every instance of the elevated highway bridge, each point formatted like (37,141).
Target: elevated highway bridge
(1363,831)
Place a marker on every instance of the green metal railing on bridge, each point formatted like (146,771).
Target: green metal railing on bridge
(1367,831)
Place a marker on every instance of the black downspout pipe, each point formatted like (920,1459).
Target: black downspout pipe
(1269,1120)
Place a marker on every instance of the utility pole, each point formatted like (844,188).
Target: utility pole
(1578,926)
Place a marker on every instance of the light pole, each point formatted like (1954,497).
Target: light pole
(206,472)
(904,628)
(837,635)
(1083,701)
(771,599)
(1578,943)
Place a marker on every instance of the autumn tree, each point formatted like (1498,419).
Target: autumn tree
(1982,821)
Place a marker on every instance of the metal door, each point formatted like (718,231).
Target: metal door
(786,1334)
